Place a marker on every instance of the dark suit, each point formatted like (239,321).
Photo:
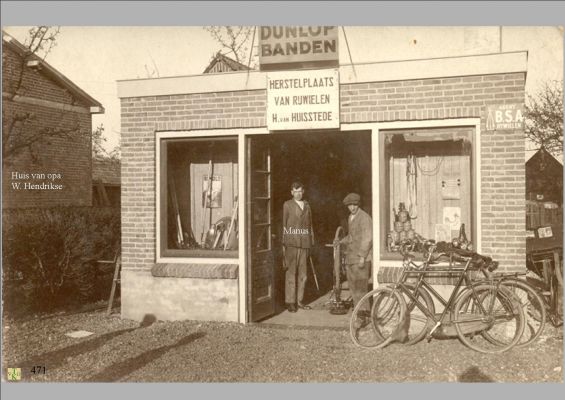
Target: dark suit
(298,238)
(359,243)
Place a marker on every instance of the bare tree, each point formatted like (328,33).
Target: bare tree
(235,41)
(98,150)
(544,117)
(21,130)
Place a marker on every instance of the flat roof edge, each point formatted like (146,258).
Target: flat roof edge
(484,64)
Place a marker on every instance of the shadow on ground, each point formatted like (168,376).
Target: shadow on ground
(56,358)
(119,370)
(474,374)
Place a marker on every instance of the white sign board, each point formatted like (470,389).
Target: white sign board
(306,99)
(505,116)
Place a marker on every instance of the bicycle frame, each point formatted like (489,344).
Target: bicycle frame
(421,282)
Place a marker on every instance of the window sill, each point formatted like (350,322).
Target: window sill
(202,271)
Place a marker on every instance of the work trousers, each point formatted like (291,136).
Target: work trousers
(358,281)
(295,259)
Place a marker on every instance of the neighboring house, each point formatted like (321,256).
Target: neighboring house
(46,133)
(544,177)
(221,63)
(544,190)
(105,182)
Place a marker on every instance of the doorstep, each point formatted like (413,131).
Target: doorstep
(319,316)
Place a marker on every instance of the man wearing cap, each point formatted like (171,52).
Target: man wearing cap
(359,245)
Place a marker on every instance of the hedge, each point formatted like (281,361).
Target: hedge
(49,257)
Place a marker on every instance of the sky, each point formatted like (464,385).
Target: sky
(96,57)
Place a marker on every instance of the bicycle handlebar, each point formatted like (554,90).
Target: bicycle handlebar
(453,254)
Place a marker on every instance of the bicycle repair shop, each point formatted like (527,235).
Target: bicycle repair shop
(208,161)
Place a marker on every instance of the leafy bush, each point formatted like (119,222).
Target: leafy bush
(49,255)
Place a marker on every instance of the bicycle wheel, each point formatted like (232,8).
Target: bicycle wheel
(534,310)
(418,322)
(376,317)
(489,318)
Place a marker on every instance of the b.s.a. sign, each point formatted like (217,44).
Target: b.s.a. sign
(505,116)
(294,47)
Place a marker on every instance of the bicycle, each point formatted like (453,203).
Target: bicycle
(484,315)
(547,265)
(531,300)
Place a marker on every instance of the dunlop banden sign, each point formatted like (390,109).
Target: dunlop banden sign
(294,47)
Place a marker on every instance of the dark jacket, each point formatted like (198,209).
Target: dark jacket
(297,225)
(359,241)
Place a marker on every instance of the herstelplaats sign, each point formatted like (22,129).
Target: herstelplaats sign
(505,116)
(294,47)
(306,99)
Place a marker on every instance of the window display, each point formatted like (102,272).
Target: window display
(199,197)
(428,183)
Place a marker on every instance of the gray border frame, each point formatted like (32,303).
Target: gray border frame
(401,13)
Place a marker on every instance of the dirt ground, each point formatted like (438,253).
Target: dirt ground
(191,351)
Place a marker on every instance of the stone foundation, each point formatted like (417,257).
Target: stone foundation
(170,299)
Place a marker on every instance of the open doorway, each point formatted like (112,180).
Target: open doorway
(330,165)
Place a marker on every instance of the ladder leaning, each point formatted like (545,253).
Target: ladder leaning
(117,262)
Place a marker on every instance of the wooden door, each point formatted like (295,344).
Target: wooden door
(260,260)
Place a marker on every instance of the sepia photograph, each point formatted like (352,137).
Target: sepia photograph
(282,204)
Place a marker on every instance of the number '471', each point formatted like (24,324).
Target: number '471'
(38,369)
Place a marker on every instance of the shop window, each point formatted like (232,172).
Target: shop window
(199,219)
(427,179)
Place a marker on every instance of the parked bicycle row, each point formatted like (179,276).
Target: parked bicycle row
(488,311)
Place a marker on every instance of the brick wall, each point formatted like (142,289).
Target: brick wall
(34,83)
(502,168)
(503,164)
(69,156)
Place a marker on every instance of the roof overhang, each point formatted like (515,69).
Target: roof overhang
(38,63)
(485,64)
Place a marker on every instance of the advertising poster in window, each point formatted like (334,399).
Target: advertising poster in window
(452,217)
(212,198)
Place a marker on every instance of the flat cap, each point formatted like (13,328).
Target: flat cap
(352,198)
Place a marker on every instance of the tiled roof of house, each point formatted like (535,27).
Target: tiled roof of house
(222,63)
(106,171)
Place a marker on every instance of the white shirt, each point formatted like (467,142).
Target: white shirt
(300,204)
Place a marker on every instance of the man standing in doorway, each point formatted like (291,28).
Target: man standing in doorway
(298,238)
(359,246)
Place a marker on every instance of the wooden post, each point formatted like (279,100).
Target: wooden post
(115,281)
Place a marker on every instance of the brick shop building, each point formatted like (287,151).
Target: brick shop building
(46,129)
(427,133)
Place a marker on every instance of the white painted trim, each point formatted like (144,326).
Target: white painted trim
(242,272)
(156,172)
(375,127)
(375,178)
(205,83)
(478,183)
(188,134)
(197,260)
(485,64)
(51,104)
(371,72)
